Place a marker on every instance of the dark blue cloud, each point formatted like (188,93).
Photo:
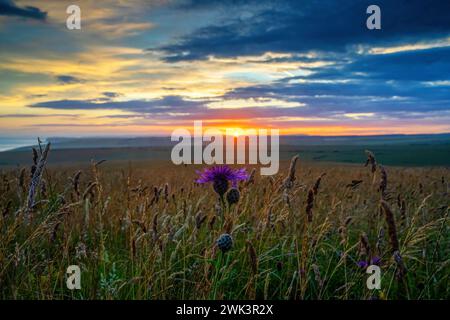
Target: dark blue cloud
(415,65)
(110,94)
(65,79)
(165,104)
(297,26)
(209,4)
(9,8)
(413,81)
(328,100)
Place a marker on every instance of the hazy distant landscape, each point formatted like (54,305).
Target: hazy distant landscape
(395,150)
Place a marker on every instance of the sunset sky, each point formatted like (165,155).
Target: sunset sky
(147,67)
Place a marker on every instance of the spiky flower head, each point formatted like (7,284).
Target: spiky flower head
(221,176)
(225,242)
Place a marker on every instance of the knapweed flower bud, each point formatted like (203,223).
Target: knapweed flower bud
(233,196)
(225,242)
(220,186)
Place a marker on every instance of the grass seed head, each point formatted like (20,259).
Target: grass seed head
(392,228)
(310,205)
(253,257)
(371,160)
(288,182)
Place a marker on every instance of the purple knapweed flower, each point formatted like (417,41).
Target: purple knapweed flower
(376,260)
(362,264)
(221,176)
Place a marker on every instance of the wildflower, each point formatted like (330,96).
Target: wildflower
(225,242)
(376,260)
(233,196)
(362,264)
(221,176)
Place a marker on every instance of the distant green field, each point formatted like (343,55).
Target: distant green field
(394,155)
(418,150)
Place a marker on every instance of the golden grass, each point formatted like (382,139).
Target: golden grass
(147,231)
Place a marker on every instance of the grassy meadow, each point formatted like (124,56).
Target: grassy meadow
(146,230)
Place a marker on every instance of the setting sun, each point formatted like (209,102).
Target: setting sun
(236,132)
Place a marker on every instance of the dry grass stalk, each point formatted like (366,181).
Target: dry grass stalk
(286,197)
(383,182)
(228,225)
(392,229)
(380,240)
(7,209)
(35,156)
(36,179)
(364,245)
(35,161)
(218,209)
(44,189)
(317,275)
(403,213)
(22,180)
(371,160)
(310,205)
(288,182)
(155,227)
(199,219)
(253,257)
(342,230)
(141,225)
(401,269)
(317,183)
(89,190)
(269,217)
(251,178)
(444,185)
(166,192)
(76,182)
(212,221)
(354,184)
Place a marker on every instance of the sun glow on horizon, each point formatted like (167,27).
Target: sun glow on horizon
(236,132)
